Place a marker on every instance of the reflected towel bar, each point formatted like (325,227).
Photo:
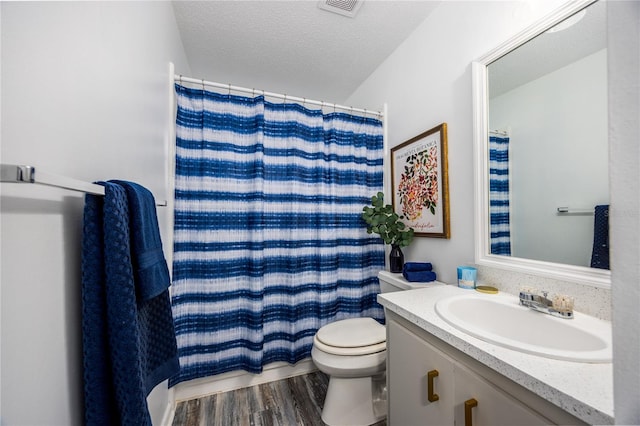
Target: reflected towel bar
(567,210)
(11,173)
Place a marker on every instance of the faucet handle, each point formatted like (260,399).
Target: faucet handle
(544,293)
(527,296)
(563,303)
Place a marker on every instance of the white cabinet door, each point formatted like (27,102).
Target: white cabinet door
(492,406)
(410,359)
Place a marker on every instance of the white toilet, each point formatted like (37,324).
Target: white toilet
(353,353)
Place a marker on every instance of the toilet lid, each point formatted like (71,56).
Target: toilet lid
(352,333)
(361,350)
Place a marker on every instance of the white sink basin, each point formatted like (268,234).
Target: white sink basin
(500,319)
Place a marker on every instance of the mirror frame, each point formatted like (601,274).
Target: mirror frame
(580,274)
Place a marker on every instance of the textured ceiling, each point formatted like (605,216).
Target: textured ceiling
(293,47)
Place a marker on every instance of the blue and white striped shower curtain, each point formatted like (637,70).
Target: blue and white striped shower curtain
(499,195)
(269,243)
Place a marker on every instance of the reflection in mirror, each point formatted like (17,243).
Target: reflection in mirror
(548,144)
(541,149)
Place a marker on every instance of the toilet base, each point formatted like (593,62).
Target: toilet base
(357,401)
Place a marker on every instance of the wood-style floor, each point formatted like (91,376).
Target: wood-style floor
(289,402)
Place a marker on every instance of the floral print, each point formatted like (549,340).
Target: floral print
(418,187)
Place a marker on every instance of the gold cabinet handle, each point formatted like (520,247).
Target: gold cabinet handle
(431,396)
(468,406)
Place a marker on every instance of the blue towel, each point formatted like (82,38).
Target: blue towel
(417,267)
(152,274)
(99,395)
(419,276)
(600,250)
(128,341)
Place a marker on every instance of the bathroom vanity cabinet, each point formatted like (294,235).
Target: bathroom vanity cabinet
(431,383)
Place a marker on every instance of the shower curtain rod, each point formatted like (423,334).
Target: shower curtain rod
(500,132)
(230,88)
(11,173)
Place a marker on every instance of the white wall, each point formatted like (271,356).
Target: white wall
(624,153)
(85,94)
(427,81)
(557,159)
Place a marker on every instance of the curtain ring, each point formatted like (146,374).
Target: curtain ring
(202,81)
(253,92)
(229,87)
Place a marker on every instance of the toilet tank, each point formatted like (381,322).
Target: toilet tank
(390,282)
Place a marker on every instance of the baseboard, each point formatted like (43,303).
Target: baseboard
(239,379)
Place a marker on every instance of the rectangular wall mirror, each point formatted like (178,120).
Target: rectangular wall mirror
(541,149)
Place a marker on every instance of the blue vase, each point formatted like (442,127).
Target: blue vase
(396,259)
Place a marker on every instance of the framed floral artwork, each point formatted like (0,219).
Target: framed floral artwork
(420,183)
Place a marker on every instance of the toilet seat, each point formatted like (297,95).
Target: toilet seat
(350,337)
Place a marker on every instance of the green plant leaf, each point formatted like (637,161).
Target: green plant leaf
(381,219)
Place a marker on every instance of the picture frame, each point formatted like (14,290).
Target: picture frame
(420,183)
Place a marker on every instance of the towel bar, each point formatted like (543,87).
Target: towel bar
(567,210)
(11,173)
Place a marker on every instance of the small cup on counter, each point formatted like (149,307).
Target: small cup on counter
(467,277)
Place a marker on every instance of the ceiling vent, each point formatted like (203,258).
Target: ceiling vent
(341,7)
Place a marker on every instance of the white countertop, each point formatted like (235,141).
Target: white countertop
(582,389)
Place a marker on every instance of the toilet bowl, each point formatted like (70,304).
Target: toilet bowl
(352,352)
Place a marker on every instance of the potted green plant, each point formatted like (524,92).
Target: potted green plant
(382,220)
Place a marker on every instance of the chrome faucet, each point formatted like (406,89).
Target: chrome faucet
(561,306)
